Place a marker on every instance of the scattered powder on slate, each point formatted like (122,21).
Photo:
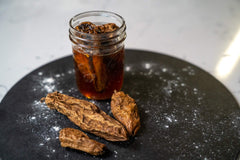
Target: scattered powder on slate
(164,121)
(44,121)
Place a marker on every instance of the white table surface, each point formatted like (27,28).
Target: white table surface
(203,32)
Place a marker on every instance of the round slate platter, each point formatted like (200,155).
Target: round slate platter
(185,113)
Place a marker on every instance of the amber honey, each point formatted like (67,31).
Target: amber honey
(98,52)
(97,76)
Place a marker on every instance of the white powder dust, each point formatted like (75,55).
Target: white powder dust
(48,80)
(127,68)
(164,69)
(147,65)
(43,124)
(147,111)
(49,83)
(57,75)
(189,70)
(166,126)
(56,128)
(169,119)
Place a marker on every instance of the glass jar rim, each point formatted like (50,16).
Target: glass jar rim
(97,13)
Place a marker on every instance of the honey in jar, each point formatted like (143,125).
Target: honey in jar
(98,53)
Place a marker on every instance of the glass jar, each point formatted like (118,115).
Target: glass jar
(98,58)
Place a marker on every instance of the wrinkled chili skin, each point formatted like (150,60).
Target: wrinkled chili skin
(86,27)
(87,116)
(76,139)
(125,110)
(91,28)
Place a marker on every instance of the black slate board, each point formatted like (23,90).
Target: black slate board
(185,113)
